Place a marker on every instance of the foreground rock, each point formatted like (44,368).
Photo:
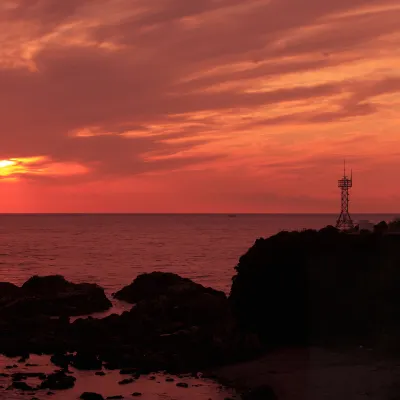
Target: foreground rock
(319,287)
(58,381)
(176,325)
(91,396)
(155,284)
(53,296)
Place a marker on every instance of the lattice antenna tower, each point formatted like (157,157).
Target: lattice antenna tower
(344,221)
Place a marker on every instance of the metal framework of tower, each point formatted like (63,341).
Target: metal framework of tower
(344,221)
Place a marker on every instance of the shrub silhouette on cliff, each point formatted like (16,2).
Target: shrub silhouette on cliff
(318,286)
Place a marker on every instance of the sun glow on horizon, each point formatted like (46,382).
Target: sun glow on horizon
(7,167)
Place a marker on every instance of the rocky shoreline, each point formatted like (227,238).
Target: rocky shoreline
(175,326)
(285,294)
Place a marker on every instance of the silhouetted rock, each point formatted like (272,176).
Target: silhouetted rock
(126,381)
(314,287)
(264,392)
(381,227)
(61,360)
(58,381)
(20,376)
(53,296)
(8,290)
(394,226)
(177,326)
(21,386)
(86,361)
(156,284)
(91,396)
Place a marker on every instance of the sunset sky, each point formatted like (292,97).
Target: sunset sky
(198,105)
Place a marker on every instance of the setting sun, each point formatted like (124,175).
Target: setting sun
(6,167)
(6,163)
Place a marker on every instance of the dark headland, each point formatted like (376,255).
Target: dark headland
(312,302)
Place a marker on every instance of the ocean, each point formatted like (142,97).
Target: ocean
(112,250)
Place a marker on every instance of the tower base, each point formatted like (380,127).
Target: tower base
(344,221)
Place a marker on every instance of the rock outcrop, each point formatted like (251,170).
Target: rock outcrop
(53,296)
(155,284)
(175,325)
(315,287)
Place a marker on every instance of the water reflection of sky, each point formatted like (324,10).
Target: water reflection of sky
(87,381)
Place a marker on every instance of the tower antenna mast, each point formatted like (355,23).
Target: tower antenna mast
(344,220)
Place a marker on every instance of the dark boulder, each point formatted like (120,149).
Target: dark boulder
(21,386)
(381,227)
(155,284)
(61,360)
(126,381)
(20,376)
(318,287)
(91,396)
(58,381)
(264,392)
(9,290)
(87,361)
(53,296)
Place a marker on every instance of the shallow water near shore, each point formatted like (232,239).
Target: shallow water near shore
(156,388)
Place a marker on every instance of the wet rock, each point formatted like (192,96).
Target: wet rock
(87,361)
(20,376)
(170,380)
(23,359)
(91,396)
(118,397)
(264,392)
(136,394)
(58,381)
(126,381)
(100,373)
(21,386)
(182,385)
(61,360)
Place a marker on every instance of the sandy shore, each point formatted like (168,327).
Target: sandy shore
(318,374)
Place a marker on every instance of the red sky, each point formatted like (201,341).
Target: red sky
(198,106)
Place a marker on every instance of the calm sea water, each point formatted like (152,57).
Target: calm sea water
(112,250)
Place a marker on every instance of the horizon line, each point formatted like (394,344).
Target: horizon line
(190,213)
